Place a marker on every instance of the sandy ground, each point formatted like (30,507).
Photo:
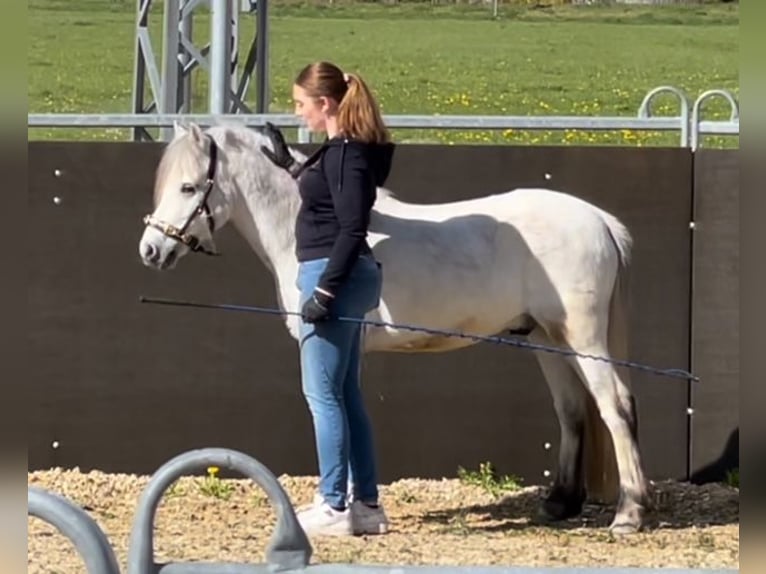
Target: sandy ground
(432,522)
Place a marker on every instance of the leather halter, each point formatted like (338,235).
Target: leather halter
(180,234)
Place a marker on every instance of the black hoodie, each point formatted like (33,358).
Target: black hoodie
(338,190)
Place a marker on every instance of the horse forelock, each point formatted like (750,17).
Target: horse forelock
(181,154)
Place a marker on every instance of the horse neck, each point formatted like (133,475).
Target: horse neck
(264,205)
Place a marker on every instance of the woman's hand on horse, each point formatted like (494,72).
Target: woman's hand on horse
(281,155)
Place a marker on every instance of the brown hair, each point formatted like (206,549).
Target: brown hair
(358,113)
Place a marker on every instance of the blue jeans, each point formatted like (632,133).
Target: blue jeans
(330,372)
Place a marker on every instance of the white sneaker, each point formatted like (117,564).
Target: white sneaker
(367,520)
(321,519)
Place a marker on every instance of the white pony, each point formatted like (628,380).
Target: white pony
(530,259)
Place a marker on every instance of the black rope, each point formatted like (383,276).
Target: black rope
(674,373)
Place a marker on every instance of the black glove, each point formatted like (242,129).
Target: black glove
(316,308)
(281,155)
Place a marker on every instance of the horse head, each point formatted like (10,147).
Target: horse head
(189,205)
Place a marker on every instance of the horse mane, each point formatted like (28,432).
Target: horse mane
(254,139)
(182,152)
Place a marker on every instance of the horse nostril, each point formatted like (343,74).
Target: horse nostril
(151,253)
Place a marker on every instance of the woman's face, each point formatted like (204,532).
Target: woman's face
(313,111)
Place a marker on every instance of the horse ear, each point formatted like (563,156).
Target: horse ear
(196,133)
(178,129)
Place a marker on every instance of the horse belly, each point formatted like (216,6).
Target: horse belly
(436,328)
(467,277)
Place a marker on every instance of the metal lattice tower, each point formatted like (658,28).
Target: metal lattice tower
(170,83)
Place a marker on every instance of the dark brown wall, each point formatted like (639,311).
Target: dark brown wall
(715,332)
(124,386)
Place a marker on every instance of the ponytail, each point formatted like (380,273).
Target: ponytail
(358,113)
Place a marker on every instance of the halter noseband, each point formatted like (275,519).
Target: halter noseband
(170,230)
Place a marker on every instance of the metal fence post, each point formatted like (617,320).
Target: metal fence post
(288,549)
(644,111)
(74,523)
(734,117)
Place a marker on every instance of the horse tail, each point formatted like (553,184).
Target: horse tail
(601,474)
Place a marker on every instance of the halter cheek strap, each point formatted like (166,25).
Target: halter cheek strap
(202,208)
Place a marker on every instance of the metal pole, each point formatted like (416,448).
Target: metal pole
(288,549)
(170,70)
(139,65)
(220,59)
(234,55)
(262,62)
(77,525)
(185,88)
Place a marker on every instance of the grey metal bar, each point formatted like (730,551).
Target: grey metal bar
(220,56)
(215,568)
(74,523)
(733,117)
(190,6)
(155,83)
(288,549)
(139,62)
(644,110)
(198,59)
(718,128)
(168,103)
(206,568)
(184,59)
(233,68)
(393,121)
(262,57)
(365,569)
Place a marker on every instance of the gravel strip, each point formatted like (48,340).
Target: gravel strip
(439,522)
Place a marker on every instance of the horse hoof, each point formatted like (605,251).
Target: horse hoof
(553,510)
(545,516)
(623,529)
(628,520)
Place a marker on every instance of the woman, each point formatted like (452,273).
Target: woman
(338,275)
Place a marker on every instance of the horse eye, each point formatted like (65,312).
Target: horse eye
(188,188)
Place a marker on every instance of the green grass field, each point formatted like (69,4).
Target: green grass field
(420,59)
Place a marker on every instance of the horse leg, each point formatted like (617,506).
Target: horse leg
(615,405)
(602,482)
(567,494)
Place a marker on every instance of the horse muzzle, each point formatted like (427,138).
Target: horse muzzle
(159,256)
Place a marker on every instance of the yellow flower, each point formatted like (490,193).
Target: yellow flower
(213,470)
